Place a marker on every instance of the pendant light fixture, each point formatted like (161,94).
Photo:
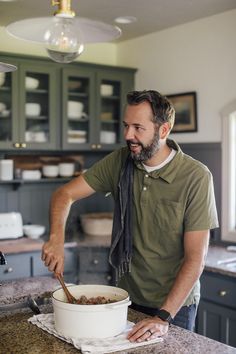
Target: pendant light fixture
(4,67)
(63,35)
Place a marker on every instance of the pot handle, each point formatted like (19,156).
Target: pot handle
(115,306)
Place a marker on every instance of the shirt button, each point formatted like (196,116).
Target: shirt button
(144,188)
(146,176)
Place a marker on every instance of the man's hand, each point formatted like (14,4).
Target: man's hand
(53,256)
(147,329)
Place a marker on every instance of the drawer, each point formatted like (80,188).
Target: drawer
(218,289)
(93,260)
(70,265)
(18,266)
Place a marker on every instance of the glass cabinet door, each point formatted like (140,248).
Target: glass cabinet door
(112,89)
(8,102)
(39,107)
(78,109)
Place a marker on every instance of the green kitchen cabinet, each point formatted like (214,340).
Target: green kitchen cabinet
(29,264)
(94,267)
(100,94)
(217,309)
(78,108)
(29,120)
(80,105)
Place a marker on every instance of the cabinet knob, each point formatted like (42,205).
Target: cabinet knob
(8,270)
(95,261)
(222,293)
(93,146)
(99,146)
(23,145)
(16,145)
(109,277)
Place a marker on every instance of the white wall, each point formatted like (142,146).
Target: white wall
(102,53)
(199,56)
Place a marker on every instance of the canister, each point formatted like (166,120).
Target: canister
(6,169)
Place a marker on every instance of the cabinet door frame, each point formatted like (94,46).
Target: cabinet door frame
(5,145)
(225,315)
(53,110)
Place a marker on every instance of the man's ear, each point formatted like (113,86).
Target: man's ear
(164,130)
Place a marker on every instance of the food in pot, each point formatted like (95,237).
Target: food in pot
(98,300)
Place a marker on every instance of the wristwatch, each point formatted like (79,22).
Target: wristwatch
(164,315)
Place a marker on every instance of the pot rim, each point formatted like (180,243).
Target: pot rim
(89,286)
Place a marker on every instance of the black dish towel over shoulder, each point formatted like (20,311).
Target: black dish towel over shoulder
(121,243)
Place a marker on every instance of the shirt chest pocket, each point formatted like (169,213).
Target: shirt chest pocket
(169,215)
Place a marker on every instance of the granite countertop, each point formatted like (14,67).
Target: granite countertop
(216,257)
(18,336)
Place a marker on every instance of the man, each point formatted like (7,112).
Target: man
(164,209)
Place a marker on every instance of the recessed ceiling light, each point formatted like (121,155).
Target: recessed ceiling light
(125,19)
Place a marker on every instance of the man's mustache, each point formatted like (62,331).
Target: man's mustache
(133,142)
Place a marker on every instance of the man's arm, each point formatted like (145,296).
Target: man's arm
(61,201)
(195,250)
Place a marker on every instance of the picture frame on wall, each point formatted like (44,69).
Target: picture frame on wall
(185,105)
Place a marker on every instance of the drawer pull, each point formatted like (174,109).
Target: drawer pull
(95,261)
(8,270)
(222,293)
(109,277)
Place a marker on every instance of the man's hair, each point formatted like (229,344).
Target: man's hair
(163,110)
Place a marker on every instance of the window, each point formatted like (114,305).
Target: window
(229,173)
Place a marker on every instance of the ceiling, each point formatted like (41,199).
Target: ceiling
(152,15)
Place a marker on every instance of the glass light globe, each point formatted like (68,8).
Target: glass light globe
(63,42)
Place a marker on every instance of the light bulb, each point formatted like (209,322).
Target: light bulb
(63,42)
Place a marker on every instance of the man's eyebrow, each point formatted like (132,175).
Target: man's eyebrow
(134,124)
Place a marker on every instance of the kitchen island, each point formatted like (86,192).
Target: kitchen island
(18,336)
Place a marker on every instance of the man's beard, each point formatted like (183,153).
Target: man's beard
(147,151)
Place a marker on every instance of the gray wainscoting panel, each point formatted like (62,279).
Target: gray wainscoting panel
(210,155)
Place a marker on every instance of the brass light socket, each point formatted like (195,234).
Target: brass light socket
(64,8)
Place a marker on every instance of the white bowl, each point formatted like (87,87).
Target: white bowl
(33,231)
(31,82)
(97,224)
(32,109)
(107,137)
(66,169)
(75,109)
(2,107)
(50,170)
(106,90)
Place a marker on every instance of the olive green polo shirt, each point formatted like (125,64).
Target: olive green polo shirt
(167,202)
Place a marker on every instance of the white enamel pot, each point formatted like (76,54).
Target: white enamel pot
(91,321)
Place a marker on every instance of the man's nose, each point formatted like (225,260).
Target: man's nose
(129,134)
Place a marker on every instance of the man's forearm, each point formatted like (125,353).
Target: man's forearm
(59,211)
(196,245)
(184,282)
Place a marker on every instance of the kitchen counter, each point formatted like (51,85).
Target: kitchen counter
(25,244)
(215,253)
(18,336)
(215,256)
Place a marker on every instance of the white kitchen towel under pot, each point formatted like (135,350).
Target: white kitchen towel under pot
(88,345)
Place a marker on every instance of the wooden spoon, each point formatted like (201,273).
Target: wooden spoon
(71,299)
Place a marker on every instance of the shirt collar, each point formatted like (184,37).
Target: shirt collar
(169,171)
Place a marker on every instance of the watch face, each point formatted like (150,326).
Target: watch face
(165,315)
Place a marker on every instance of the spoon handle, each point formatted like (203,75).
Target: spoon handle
(71,299)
